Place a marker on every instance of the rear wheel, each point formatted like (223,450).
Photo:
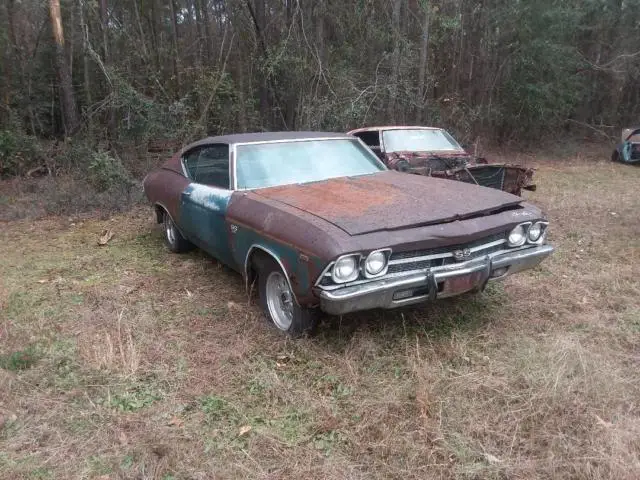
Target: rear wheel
(172,236)
(615,156)
(279,303)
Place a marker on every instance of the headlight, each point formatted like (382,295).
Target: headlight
(517,236)
(345,269)
(535,232)
(376,263)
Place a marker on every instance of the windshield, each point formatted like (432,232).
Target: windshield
(260,165)
(418,140)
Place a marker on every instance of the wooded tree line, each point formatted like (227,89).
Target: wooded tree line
(138,70)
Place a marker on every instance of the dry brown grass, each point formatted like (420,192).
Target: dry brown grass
(144,364)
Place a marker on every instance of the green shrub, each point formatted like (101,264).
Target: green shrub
(19,153)
(107,172)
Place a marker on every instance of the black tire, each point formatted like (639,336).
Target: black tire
(615,156)
(402,166)
(173,239)
(302,320)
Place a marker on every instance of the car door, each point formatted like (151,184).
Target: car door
(203,204)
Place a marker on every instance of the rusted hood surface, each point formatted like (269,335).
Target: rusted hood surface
(389,200)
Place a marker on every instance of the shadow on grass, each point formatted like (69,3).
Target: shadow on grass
(435,320)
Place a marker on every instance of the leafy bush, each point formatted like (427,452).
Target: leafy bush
(106,172)
(19,153)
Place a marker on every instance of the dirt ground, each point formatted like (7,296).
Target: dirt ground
(128,362)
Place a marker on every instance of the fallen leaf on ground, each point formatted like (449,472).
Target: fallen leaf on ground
(105,237)
(244,430)
(176,422)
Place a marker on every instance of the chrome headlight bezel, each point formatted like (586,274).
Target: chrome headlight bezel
(355,257)
(543,233)
(525,235)
(386,253)
(526,229)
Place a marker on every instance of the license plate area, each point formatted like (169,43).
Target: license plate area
(461,283)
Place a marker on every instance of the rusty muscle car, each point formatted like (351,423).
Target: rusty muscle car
(434,152)
(318,223)
(628,150)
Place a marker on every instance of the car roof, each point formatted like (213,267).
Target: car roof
(392,127)
(261,137)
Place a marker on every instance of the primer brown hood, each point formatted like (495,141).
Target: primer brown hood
(389,201)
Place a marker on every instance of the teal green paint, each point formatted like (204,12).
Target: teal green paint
(203,219)
(297,269)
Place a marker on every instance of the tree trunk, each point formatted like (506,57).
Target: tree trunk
(395,60)
(424,59)
(319,22)
(258,15)
(104,26)
(204,8)
(174,40)
(69,112)
(85,55)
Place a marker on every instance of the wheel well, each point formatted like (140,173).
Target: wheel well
(257,257)
(159,213)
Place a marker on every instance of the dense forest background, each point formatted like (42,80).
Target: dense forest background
(95,78)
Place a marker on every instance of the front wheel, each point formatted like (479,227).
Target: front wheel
(279,303)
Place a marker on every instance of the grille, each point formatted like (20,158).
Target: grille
(447,249)
(490,176)
(400,262)
(407,267)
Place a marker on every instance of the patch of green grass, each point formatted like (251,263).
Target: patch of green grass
(135,399)
(98,466)
(127,462)
(19,360)
(40,473)
(329,441)
(216,408)
(631,319)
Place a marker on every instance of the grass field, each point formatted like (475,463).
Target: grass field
(128,362)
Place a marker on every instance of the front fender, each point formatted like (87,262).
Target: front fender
(300,269)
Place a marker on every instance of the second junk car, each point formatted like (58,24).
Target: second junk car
(321,224)
(434,152)
(628,150)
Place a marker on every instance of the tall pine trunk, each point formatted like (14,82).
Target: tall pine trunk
(69,111)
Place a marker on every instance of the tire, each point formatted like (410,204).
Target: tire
(615,156)
(279,304)
(173,239)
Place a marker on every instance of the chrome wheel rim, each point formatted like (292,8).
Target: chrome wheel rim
(279,300)
(169,230)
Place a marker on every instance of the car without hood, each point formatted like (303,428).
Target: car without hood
(320,224)
(434,152)
(628,150)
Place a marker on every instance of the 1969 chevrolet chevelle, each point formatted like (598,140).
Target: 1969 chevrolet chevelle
(319,223)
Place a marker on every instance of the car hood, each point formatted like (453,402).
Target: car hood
(389,201)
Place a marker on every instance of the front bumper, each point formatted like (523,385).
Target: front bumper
(437,282)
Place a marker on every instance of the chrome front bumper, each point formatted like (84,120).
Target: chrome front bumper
(431,284)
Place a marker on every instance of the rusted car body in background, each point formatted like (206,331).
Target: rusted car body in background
(628,150)
(317,222)
(434,152)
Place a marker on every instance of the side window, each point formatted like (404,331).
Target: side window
(209,165)
(371,139)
